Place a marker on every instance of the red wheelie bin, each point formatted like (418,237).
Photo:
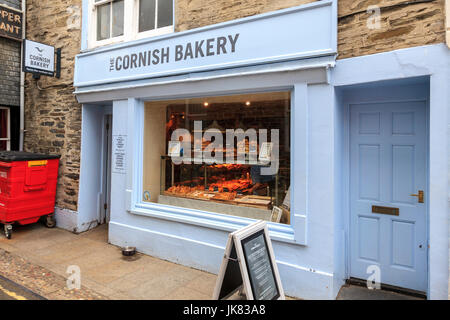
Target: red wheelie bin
(27,188)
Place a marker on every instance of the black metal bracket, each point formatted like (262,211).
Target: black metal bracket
(58,63)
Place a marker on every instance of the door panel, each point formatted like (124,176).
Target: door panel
(369,238)
(403,234)
(369,172)
(388,163)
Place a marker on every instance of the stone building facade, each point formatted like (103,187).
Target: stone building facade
(10,65)
(397,46)
(53,116)
(403,24)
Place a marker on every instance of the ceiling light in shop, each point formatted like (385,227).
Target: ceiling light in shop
(206,104)
(248,103)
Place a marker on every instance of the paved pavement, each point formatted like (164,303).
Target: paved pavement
(38,258)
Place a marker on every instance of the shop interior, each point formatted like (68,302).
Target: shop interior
(234,184)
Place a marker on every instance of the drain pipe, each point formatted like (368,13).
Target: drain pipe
(22,78)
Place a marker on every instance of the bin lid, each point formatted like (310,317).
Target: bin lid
(9,156)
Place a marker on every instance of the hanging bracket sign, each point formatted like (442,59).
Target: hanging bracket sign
(249,264)
(39,59)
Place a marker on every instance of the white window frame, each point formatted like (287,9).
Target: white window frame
(8,129)
(294,233)
(131,25)
(153,32)
(93,42)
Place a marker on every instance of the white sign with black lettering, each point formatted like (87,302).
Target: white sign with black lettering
(249,264)
(119,155)
(38,58)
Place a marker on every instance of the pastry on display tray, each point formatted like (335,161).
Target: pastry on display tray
(228,196)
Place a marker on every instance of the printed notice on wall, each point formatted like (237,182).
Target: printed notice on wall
(119,153)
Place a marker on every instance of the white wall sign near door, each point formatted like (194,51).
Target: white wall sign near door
(119,154)
(249,263)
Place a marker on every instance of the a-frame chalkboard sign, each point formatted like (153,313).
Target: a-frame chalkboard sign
(249,264)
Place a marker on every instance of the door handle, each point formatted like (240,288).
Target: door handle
(419,195)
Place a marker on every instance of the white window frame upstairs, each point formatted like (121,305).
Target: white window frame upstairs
(8,129)
(131,24)
(154,32)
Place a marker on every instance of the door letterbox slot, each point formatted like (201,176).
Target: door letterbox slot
(386,210)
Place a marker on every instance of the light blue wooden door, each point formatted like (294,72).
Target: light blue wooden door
(388,159)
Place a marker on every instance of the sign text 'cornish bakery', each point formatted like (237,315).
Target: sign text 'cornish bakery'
(192,50)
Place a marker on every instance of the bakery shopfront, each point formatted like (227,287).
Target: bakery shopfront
(188,136)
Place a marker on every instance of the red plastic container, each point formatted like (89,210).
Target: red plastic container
(27,187)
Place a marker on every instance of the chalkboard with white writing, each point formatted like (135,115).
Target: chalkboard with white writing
(259,266)
(249,264)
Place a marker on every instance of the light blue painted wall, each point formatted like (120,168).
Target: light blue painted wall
(287,31)
(307,271)
(402,65)
(340,218)
(90,197)
(84,24)
(311,253)
(315,270)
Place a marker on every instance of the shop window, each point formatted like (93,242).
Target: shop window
(225,154)
(110,18)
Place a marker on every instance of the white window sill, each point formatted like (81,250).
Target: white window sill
(154,33)
(106,42)
(278,232)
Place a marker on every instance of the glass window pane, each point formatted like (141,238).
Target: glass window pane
(3,128)
(118,17)
(244,174)
(103,21)
(165,15)
(147,15)
(3,123)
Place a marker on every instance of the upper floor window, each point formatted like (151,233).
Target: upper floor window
(114,21)
(110,18)
(155,14)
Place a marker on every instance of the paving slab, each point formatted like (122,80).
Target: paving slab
(41,281)
(204,284)
(183,292)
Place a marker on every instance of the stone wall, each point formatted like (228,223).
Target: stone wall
(190,14)
(52,114)
(10,65)
(9,72)
(10,78)
(403,24)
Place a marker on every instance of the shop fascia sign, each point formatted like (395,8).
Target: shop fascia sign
(295,33)
(10,23)
(39,59)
